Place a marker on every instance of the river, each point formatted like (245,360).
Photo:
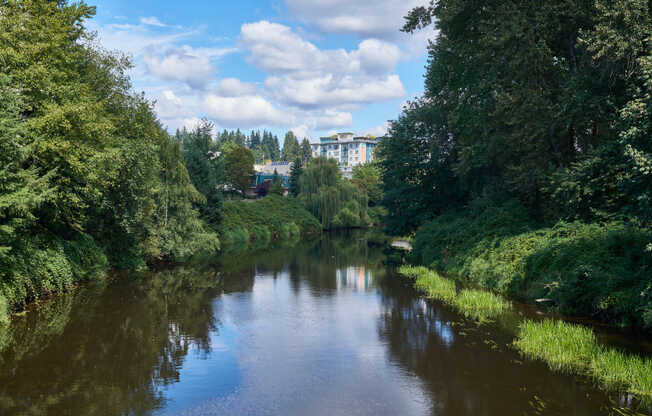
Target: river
(317,328)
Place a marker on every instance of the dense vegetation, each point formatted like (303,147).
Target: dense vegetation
(88,177)
(256,223)
(334,200)
(526,166)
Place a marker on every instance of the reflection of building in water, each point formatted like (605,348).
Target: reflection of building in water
(358,278)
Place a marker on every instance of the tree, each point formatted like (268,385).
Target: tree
(295,177)
(368,178)
(277,185)
(89,177)
(326,194)
(240,168)
(205,168)
(306,151)
(291,147)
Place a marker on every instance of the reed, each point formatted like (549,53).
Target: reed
(574,349)
(476,304)
(480,305)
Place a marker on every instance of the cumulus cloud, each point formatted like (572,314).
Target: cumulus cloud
(305,76)
(378,19)
(233,87)
(329,91)
(301,131)
(185,64)
(244,112)
(378,130)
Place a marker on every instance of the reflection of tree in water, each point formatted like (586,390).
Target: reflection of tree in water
(88,354)
(464,374)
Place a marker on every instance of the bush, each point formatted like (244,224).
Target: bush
(45,264)
(4,311)
(346,219)
(599,270)
(283,218)
(260,236)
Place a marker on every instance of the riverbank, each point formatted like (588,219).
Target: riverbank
(564,347)
(254,224)
(601,271)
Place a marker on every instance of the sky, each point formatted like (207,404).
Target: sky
(311,66)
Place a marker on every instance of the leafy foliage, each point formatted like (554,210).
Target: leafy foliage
(248,222)
(240,168)
(588,269)
(89,178)
(335,201)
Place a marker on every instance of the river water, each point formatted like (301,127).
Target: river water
(316,328)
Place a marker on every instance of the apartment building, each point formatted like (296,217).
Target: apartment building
(348,150)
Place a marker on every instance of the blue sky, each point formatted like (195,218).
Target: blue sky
(311,66)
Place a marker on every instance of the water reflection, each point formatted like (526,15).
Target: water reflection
(317,328)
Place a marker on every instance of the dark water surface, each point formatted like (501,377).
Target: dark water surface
(320,328)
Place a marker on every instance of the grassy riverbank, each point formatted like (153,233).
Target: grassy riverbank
(597,270)
(481,306)
(564,347)
(256,223)
(574,349)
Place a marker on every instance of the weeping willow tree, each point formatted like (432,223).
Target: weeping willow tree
(334,200)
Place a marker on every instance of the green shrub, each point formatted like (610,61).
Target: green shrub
(274,212)
(4,311)
(346,219)
(260,236)
(45,264)
(295,231)
(600,270)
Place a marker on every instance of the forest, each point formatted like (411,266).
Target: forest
(526,165)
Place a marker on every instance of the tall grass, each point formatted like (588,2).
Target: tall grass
(574,349)
(480,305)
(476,304)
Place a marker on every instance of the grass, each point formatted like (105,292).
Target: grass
(479,305)
(563,346)
(574,349)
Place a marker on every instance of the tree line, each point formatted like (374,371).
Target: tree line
(547,102)
(526,165)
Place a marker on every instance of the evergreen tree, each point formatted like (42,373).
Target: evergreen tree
(295,176)
(291,147)
(205,169)
(306,151)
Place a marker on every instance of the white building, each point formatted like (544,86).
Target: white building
(348,150)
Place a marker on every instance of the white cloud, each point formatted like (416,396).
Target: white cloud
(378,130)
(332,119)
(233,87)
(301,131)
(243,112)
(152,21)
(185,64)
(305,76)
(378,19)
(330,92)
(377,57)
(135,39)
